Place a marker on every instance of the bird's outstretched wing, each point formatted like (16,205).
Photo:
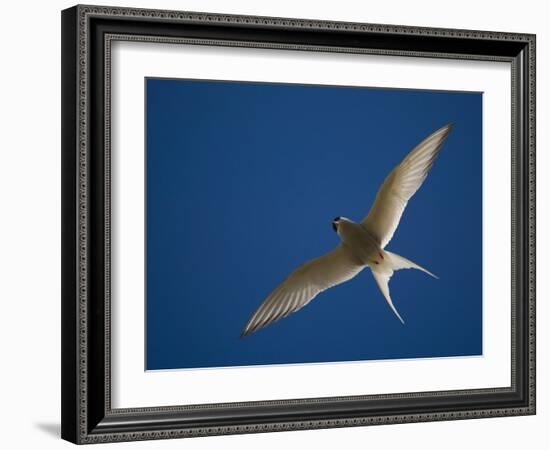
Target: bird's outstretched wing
(401,184)
(303,285)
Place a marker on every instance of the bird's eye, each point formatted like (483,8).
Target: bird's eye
(336,219)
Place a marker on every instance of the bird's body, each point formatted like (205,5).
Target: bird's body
(362,244)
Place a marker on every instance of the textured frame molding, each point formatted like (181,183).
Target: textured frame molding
(87,34)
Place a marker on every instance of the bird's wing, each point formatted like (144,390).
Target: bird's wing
(303,285)
(382,279)
(401,184)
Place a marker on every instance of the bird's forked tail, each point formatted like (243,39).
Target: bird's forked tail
(383,272)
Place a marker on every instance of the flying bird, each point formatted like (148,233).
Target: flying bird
(362,244)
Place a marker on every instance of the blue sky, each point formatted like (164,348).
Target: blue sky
(243,181)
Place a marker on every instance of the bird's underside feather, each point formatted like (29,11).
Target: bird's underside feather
(303,285)
(401,184)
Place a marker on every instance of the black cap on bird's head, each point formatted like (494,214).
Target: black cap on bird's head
(335,223)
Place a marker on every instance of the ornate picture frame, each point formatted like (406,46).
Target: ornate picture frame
(88,33)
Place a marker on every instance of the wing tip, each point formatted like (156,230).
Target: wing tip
(446,129)
(252,327)
(247,331)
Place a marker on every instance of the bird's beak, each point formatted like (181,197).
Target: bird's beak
(335,226)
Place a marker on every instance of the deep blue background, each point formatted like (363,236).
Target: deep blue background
(243,181)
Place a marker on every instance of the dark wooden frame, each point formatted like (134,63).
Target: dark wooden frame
(87,32)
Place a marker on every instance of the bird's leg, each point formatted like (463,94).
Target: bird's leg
(374,261)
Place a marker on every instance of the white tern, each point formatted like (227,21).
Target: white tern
(362,244)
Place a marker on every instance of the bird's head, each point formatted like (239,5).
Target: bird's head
(338,222)
(335,223)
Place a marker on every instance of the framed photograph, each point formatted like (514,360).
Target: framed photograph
(241,198)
